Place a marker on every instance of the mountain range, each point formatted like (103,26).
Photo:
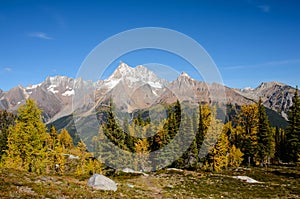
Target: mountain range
(138,88)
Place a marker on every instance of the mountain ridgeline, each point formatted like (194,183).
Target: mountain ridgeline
(137,89)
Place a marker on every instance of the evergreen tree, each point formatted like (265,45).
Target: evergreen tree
(129,135)
(52,140)
(65,139)
(56,159)
(192,151)
(203,124)
(235,157)
(160,138)
(189,158)
(280,144)
(215,150)
(110,136)
(293,130)
(247,132)
(6,120)
(177,115)
(219,153)
(142,154)
(81,151)
(26,140)
(139,120)
(265,139)
(112,130)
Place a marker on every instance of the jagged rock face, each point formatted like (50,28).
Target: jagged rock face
(137,88)
(184,88)
(53,96)
(13,98)
(274,95)
(131,88)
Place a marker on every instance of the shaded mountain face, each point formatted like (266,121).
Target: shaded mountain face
(137,88)
(275,95)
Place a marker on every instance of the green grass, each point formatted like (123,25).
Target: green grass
(276,182)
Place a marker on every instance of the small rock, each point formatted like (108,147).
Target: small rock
(130,185)
(101,182)
(128,170)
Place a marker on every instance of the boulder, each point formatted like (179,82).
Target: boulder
(101,182)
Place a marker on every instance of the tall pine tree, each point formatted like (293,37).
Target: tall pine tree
(203,124)
(247,132)
(26,140)
(6,120)
(280,144)
(293,130)
(265,138)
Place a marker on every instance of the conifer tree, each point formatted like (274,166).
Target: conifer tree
(112,129)
(189,158)
(159,140)
(177,115)
(219,153)
(280,144)
(65,139)
(52,140)
(205,118)
(248,120)
(265,138)
(111,135)
(215,150)
(81,151)
(26,140)
(6,120)
(235,157)
(56,159)
(129,135)
(142,154)
(293,130)
(192,151)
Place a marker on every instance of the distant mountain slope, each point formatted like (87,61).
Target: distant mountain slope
(137,88)
(276,96)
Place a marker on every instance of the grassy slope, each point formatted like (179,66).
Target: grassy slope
(277,182)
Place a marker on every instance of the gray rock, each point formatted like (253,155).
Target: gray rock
(101,182)
(128,170)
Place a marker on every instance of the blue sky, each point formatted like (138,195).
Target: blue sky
(250,41)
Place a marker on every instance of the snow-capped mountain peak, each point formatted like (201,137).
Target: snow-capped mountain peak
(132,76)
(122,70)
(184,74)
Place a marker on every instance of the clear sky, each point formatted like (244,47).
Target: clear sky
(250,41)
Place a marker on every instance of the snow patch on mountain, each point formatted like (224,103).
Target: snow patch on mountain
(155,84)
(33,86)
(247,89)
(112,83)
(68,93)
(52,88)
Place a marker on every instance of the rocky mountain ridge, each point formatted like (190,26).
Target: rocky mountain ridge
(138,88)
